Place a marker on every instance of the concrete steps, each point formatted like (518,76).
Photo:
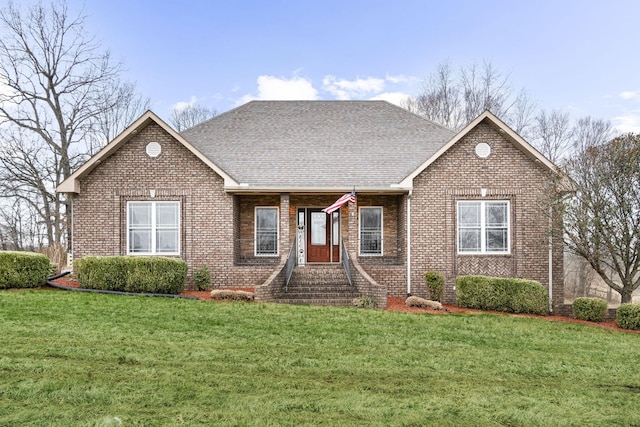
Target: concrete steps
(323,284)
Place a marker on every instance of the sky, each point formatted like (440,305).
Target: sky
(576,56)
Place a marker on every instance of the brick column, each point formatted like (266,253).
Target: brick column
(285,239)
(354,235)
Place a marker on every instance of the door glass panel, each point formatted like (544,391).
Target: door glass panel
(318,228)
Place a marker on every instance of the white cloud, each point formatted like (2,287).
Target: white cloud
(629,95)
(391,88)
(397,98)
(282,89)
(181,105)
(348,89)
(402,79)
(627,123)
(629,119)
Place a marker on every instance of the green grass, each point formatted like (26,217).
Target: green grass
(75,359)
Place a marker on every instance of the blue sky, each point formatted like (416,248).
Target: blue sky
(582,57)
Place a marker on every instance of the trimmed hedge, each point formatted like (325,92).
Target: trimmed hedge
(435,284)
(23,269)
(158,275)
(502,294)
(590,309)
(628,316)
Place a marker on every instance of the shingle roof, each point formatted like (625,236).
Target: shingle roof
(318,144)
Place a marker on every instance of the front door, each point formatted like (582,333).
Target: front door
(318,236)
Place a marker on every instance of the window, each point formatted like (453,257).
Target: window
(483,227)
(153,228)
(266,231)
(370,231)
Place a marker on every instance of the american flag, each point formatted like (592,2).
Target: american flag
(349,197)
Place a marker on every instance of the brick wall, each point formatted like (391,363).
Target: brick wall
(507,174)
(214,222)
(209,216)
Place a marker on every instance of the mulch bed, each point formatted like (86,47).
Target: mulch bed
(398,304)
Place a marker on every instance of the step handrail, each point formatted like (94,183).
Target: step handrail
(292,261)
(345,263)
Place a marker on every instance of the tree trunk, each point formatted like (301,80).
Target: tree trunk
(626,294)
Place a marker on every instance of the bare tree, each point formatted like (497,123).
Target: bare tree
(454,99)
(588,132)
(189,116)
(57,87)
(552,134)
(602,218)
(118,111)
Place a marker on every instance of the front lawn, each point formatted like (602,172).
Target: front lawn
(89,359)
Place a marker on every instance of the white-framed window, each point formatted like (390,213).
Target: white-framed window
(483,227)
(371,231)
(153,228)
(266,231)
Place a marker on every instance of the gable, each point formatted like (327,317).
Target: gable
(506,134)
(72,183)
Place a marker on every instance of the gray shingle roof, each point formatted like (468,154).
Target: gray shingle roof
(318,144)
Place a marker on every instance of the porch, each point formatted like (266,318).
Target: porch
(321,258)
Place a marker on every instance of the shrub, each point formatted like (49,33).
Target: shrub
(423,303)
(23,269)
(628,316)
(228,294)
(591,309)
(132,274)
(364,302)
(501,294)
(435,284)
(202,278)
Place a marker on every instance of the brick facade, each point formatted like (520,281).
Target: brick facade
(459,174)
(217,227)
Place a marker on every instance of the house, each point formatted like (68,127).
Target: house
(243,193)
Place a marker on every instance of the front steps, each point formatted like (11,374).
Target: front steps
(318,284)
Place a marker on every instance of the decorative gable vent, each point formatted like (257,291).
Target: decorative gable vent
(483,150)
(153,149)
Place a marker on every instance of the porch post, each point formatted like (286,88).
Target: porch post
(353,228)
(285,239)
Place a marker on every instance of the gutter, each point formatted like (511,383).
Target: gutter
(246,188)
(550,260)
(409,243)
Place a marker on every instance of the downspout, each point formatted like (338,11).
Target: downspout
(550,260)
(409,243)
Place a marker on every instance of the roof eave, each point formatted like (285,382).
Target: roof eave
(249,189)
(72,184)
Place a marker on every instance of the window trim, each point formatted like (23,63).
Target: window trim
(483,228)
(255,231)
(154,227)
(360,253)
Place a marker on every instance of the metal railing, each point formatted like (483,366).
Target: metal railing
(345,263)
(292,261)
